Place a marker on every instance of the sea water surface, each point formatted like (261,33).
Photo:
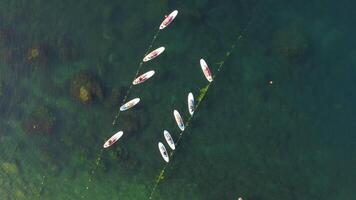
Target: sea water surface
(277,123)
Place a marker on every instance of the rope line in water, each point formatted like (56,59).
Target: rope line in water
(137,72)
(200,98)
(98,159)
(92,172)
(41,188)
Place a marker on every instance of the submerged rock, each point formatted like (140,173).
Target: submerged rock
(41,120)
(40,54)
(291,42)
(86,88)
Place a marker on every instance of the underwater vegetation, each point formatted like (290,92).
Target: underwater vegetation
(118,153)
(13,185)
(18,54)
(112,99)
(62,48)
(86,88)
(12,51)
(132,122)
(10,98)
(9,168)
(7,35)
(14,57)
(235,140)
(41,120)
(67,49)
(4,92)
(291,43)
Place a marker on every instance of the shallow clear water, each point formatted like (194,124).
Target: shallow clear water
(277,122)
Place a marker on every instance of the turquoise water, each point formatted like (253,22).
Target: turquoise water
(292,138)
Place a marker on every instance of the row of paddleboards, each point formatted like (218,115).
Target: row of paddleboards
(142,78)
(147,75)
(180,123)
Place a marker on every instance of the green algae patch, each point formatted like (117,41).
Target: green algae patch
(9,168)
(19,195)
(203,92)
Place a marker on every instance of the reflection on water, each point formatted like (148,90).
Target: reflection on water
(66,66)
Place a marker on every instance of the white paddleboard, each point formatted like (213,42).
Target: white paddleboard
(163,151)
(113,139)
(206,70)
(179,120)
(191,103)
(143,77)
(153,54)
(168,19)
(130,104)
(169,139)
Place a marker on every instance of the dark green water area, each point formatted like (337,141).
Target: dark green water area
(277,123)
